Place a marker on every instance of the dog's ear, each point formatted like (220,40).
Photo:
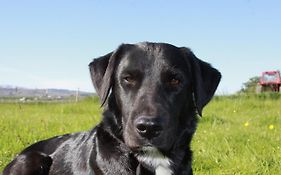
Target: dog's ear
(205,79)
(102,70)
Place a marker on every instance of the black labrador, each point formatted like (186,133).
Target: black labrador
(151,93)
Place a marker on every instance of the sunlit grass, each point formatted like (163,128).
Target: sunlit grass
(236,135)
(239,135)
(24,124)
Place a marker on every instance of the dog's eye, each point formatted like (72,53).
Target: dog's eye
(130,80)
(174,82)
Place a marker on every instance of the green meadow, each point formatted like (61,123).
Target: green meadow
(236,135)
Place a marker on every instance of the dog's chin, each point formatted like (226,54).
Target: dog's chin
(140,145)
(135,142)
(136,145)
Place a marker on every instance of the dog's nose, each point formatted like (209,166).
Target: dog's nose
(148,127)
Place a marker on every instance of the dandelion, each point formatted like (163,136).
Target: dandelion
(246,124)
(271,127)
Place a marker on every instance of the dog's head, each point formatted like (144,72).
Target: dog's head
(156,89)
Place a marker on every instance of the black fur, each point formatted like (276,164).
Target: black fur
(151,93)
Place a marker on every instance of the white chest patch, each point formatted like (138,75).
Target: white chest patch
(154,159)
(160,170)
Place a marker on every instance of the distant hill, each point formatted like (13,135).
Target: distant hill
(10,91)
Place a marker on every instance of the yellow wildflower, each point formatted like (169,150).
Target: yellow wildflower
(271,126)
(246,124)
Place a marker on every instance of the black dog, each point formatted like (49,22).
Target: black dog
(151,93)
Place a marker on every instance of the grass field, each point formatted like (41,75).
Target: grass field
(236,135)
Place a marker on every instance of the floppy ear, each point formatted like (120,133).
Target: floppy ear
(102,70)
(205,80)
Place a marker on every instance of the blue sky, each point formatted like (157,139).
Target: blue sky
(48,44)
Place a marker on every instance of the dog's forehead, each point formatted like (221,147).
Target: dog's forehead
(149,55)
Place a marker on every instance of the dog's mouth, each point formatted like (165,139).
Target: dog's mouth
(148,149)
(141,148)
(139,144)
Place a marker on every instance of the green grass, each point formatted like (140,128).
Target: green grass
(234,136)
(223,144)
(24,124)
